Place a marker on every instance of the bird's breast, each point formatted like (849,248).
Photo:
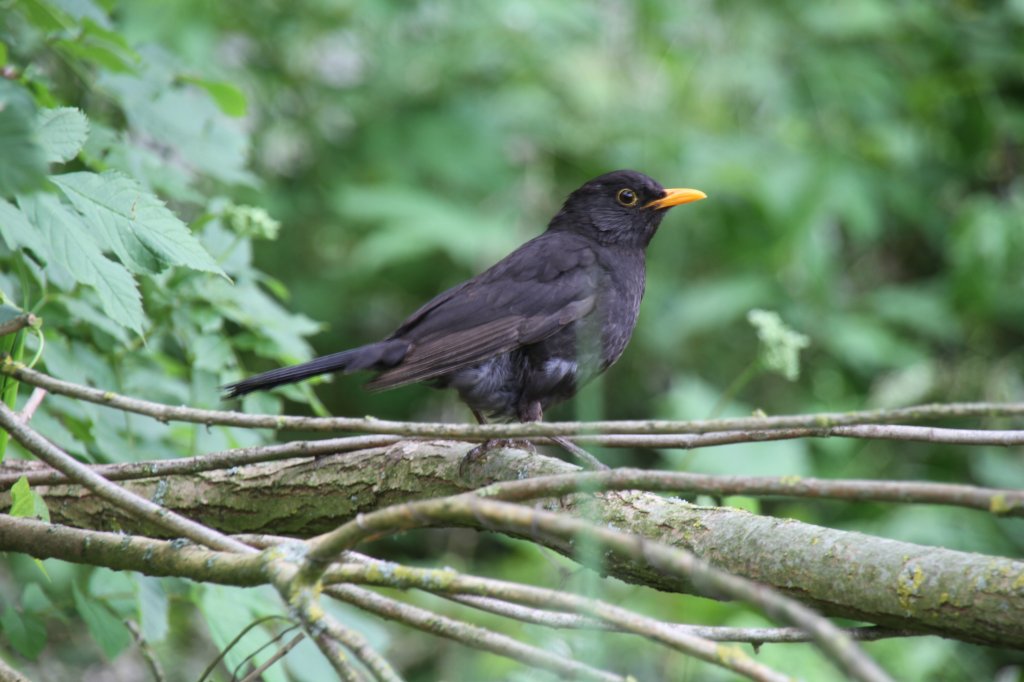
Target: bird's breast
(618,306)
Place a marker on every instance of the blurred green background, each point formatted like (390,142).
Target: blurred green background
(863,161)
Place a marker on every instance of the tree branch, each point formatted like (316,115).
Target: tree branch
(154,513)
(38,474)
(894,584)
(818,423)
(718,633)
(543,526)
(999,501)
(16,324)
(467,634)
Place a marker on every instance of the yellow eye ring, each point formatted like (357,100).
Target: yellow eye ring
(627,197)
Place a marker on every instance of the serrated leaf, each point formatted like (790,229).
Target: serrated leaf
(109,632)
(22,503)
(62,133)
(25,632)
(18,232)
(23,166)
(228,97)
(186,119)
(74,249)
(134,223)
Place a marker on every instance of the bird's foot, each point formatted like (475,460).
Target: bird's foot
(481,451)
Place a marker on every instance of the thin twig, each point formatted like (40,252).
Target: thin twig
(257,674)
(302,596)
(818,421)
(250,658)
(717,633)
(32,404)
(234,642)
(141,507)
(587,460)
(468,634)
(147,651)
(898,432)
(509,607)
(336,656)
(672,560)
(18,323)
(634,623)
(1005,502)
(224,459)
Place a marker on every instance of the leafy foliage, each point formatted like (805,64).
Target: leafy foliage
(863,161)
(110,149)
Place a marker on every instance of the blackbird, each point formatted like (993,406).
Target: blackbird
(535,327)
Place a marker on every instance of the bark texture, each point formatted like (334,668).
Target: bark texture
(955,594)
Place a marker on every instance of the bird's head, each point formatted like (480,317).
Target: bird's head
(623,207)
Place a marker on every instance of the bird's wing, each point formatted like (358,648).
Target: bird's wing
(542,287)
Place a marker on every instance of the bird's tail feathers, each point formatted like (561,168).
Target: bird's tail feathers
(381,355)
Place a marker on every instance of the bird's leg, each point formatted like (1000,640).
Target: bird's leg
(534,413)
(481,450)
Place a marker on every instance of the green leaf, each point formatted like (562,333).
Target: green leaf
(100,45)
(22,503)
(3,54)
(35,600)
(228,97)
(210,351)
(74,249)
(45,16)
(135,224)
(109,632)
(41,512)
(81,310)
(62,133)
(230,610)
(24,165)
(97,53)
(94,30)
(25,632)
(18,232)
(153,608)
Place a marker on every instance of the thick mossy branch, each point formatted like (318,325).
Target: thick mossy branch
(956,594)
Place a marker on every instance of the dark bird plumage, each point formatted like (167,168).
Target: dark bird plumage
(535,327)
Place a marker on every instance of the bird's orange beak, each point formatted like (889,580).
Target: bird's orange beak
(674,197)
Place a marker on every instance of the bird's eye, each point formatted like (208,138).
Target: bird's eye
(627,197)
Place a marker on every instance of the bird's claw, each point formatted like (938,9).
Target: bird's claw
(483,449)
